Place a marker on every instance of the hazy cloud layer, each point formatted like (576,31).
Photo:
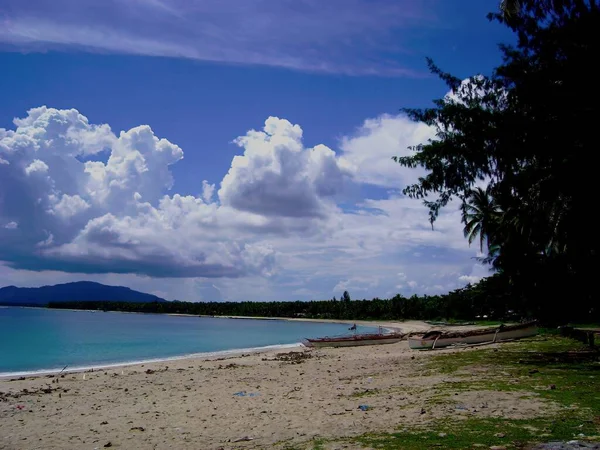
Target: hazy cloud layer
(336,36)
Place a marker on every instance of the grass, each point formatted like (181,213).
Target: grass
(558,369)
(484,432)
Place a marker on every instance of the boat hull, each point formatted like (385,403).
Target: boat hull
(353,342)
(418,343)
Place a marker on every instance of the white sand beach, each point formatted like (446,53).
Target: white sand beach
(260,400)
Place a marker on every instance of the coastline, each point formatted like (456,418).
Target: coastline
(274,398)
(408,326)
(143,362)
(389,327)
(411,326)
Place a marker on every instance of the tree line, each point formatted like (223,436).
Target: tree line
(490,299)
(518,151)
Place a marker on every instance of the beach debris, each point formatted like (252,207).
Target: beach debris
(243,439)
(291,357)
(84,376)
(149,372)
(442,435)
(423,411)
(246,394)
(364,407)
(228,366)
(370,380)
(137,429)
(108,444)
(500,435)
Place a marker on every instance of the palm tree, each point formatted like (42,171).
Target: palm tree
(481,215)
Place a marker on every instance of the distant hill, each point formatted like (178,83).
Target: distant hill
(80,291)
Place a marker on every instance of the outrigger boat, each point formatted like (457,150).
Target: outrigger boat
(356,340)
(439,339)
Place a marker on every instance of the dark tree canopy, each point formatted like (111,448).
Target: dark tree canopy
(528,133)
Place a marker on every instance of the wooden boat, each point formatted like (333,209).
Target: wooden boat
(355,340)
(439,339)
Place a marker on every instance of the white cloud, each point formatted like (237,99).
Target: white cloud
(36,166)
(277,176)
(69,206)
(336,36)
(477,273)
(371,148)
(208,191)
(472,279)
(274,227)
(114,216)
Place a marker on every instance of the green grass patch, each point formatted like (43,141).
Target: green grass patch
(557,368)
(318,444)
(552,367)
(461,434)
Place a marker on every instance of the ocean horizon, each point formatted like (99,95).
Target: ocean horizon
(40,340)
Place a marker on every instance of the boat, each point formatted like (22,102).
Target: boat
(440,339)
(355,340)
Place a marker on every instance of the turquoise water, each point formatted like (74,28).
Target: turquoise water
(46,339)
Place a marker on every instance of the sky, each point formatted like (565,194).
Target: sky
(228,150)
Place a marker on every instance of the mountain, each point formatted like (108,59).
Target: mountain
(68,292)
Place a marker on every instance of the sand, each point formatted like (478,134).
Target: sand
(275,399)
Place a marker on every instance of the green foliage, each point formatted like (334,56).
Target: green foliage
(486,432)
(491,297)
(528,132)
(531,367)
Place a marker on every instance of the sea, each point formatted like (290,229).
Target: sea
(39,340)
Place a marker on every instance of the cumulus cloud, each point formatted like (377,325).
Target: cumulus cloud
(36,166)
(115,216)
(370,149)
(111,216)
(277,176)
(275,216)
(336,36)
(69,205)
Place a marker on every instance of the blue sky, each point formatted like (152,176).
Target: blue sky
(310,206)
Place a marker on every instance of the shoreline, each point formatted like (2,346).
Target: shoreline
(190,356)
(271,399)
(396,326)
(409,326)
